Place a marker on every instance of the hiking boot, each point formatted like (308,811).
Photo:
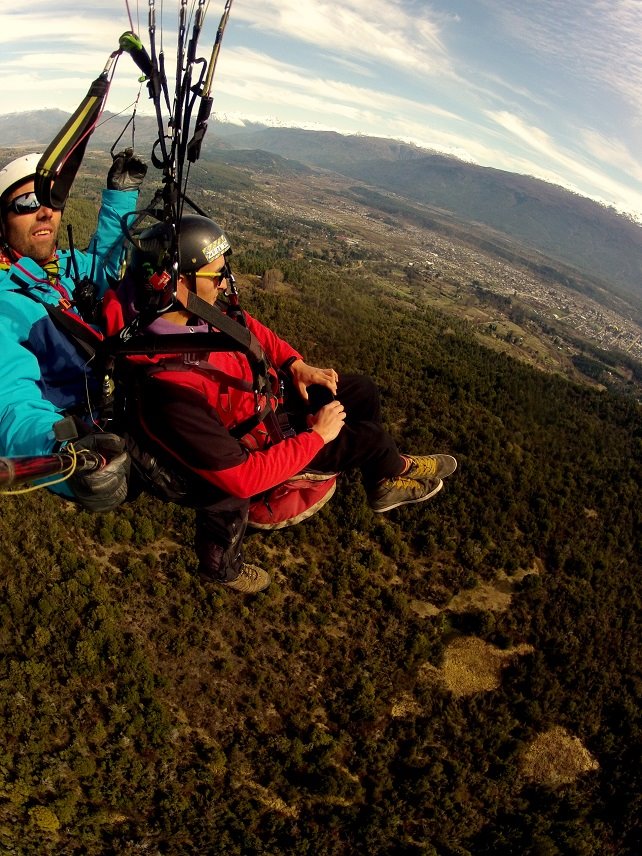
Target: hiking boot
(390,493)
(250,580)
(430,466)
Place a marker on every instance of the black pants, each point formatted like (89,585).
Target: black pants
(363,444)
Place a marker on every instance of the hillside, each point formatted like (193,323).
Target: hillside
(562,228)
(457,678)
(326,149)
(453,678)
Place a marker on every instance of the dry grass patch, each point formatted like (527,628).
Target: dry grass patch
(494,596)
(556,758)
(404,706)
(424,609)
(473,666)
(271,801)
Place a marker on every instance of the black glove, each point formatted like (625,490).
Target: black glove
(103,489)
(126,172)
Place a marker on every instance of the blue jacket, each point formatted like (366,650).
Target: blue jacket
(43,373)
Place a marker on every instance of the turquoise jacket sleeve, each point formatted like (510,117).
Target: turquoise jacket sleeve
(104,257)
(26,416)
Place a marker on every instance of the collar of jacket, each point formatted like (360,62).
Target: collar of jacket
(26,273)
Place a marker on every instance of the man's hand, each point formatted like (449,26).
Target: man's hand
(328,421)
(126,172)
(103,489)
(304,375)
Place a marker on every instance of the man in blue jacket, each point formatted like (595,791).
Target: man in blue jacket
(47,372)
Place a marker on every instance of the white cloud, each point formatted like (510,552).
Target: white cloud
(50,32)
(388,32)
(261,78)
(571,169)
(613,152)
(597,42)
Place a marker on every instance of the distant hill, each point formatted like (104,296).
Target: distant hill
(256,159)
(326,149)
(36,128)
(564,227)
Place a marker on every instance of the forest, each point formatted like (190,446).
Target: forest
(144,711)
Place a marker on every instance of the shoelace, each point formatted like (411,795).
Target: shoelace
(401,483)
(416,468)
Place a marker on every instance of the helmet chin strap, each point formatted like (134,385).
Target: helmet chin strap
(6,250)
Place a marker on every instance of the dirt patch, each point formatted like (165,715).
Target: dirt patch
(404,706)
(473,666)
(270,800)
(494,596)
(424,608)
(556,758)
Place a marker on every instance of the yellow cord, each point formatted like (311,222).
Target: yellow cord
(65,474)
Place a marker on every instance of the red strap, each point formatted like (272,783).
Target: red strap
(112,313)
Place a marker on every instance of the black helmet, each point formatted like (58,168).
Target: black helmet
(200,241)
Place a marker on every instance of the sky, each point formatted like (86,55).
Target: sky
(548,88)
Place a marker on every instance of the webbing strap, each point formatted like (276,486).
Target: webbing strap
(59,163)
(88,340)
(213,315)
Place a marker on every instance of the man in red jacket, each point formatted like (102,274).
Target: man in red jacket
(223,429)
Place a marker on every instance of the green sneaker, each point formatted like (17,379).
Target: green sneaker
(390,493)
(430,466)
(250,580)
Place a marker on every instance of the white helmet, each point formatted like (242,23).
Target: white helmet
(19,170)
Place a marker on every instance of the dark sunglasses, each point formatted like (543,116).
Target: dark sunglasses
(26,203)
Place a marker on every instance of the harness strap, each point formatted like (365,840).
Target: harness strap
(247,425)
(251,347)
(233,336)
(203,367)
(213,315)
(87,339)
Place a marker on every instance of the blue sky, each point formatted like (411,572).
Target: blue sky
(550,88)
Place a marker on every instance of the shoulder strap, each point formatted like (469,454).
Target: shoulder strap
(86,338)
(213,315)
(255,353)
(232,336)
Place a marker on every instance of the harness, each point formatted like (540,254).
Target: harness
(232,336)
(180,352)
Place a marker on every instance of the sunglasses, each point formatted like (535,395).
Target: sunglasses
(26,203)
(223,273)
(211,274)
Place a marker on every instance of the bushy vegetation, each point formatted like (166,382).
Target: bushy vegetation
(145,712)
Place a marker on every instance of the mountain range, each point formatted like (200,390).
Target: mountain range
(560,227)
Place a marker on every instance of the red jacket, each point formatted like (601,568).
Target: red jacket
(190,413)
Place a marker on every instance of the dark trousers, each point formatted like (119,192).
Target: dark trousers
(363,444)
